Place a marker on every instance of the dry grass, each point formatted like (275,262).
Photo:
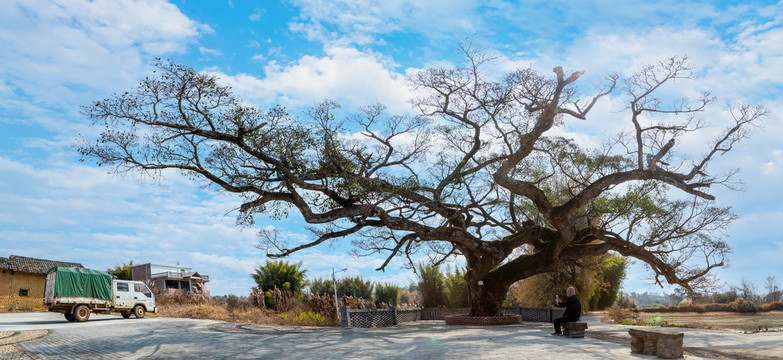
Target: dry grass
(236,311)
(748,322)
(739,305)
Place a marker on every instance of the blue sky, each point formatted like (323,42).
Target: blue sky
(58,55)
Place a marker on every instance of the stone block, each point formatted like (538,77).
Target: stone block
(574,329)
(661,343)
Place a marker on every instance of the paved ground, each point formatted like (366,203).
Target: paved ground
(49,336)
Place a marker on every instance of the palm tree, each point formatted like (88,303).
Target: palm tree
(282,275)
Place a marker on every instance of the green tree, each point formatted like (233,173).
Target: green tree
(355,286)
(474,176)
(597,281)
(387,293)
(611,277)
(431,286)
(349,286)
(122,272)
(321,286)
(456,288)
(541,289)
(280,274)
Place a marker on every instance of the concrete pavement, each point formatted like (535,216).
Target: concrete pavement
(731,344)
(111,337)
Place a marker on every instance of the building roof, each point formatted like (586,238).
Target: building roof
(161,265)
(32,265)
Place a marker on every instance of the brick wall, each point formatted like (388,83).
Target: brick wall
(10,284)
(141,273)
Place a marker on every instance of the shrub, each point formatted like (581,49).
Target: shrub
(456,289)
(718,307)
(626,301)
(320,286)
(744,306)
(310,317)
(778,305)
(410,298)
(349,286)
(431,286)
(388,294)
(611,276)
(355,286)
(623,315)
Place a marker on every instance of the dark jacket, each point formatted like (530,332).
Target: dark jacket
(573,308)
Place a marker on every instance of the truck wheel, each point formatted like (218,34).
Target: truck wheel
(69,317)
(139,311)
(126,314)
(82,313)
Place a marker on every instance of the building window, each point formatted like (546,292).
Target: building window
(23,292)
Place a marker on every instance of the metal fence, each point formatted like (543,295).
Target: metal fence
(394,316)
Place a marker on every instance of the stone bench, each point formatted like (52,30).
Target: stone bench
(574,329)
(664,344)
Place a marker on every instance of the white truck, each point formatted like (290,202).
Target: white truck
(75,292)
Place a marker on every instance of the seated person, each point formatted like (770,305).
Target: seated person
(572,312)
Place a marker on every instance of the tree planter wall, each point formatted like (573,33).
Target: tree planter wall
(391,317)
(483,320)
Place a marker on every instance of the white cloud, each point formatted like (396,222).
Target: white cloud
(347,75)
(208,51)
(772,166)
(361,22)
(53,51)
(256,15)
(230,262)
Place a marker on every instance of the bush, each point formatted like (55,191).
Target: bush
(410,298)
(612,274)
(431,286)
(626,301)
(387,294)
(320,286)
(310,317)
(623,315)
(349,286)
(744,306)
(456,289)
(355,287)
(778,305)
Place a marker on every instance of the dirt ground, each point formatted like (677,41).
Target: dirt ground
(759,322)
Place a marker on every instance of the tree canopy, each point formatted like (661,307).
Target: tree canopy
(478,173)
(122,272)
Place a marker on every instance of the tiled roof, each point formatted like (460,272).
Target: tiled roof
(32,265)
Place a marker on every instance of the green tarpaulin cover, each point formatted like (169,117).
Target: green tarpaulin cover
(73,281)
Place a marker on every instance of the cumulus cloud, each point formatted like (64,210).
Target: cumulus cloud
(54,51)
(351,77)
(361,22)
(772,166)
(256,15)
(208,51)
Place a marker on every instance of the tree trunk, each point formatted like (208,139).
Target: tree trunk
(486,300)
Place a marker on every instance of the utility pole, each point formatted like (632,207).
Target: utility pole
(334,282)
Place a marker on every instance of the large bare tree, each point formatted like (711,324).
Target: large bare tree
(476,174)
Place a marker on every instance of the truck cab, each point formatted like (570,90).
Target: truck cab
(132,298)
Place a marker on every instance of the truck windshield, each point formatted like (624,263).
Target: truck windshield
(141,288)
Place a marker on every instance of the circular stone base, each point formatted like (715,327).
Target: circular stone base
(483,320)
